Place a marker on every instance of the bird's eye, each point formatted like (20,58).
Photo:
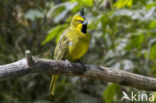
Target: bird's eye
(80,21)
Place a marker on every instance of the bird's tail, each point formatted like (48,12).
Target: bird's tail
(52,84)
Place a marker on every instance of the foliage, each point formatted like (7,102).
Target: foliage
(123,37)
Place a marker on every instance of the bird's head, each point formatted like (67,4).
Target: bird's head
(79,23)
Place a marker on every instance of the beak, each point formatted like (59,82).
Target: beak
(85,22)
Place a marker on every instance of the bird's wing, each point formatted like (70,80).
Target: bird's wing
(60,50)
(61,47)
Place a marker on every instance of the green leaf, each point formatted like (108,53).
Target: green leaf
(149,6)
(56,11)
(152,24)
(58,36)
(59,12)
(109,93)
(123,3)
(136,41)
(53,33)
(153,53)
(32,14)
(84,2)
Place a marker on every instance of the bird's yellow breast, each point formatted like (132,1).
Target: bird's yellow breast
(78,44)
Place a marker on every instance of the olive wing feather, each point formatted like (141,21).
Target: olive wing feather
(61,47)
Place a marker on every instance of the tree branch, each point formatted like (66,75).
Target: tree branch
(35,65)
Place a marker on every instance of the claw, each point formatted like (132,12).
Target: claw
(82,64)
(68,62)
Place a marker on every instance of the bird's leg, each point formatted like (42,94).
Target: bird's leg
(68,62)
(82,64)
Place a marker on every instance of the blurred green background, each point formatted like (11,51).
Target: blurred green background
(123,37)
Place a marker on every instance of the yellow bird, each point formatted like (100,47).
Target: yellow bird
(72,44)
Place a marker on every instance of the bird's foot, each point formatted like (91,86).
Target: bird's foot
(82,64)
(68,62)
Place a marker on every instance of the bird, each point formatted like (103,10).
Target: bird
(72,44)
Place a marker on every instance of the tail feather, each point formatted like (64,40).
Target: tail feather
(52,84)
